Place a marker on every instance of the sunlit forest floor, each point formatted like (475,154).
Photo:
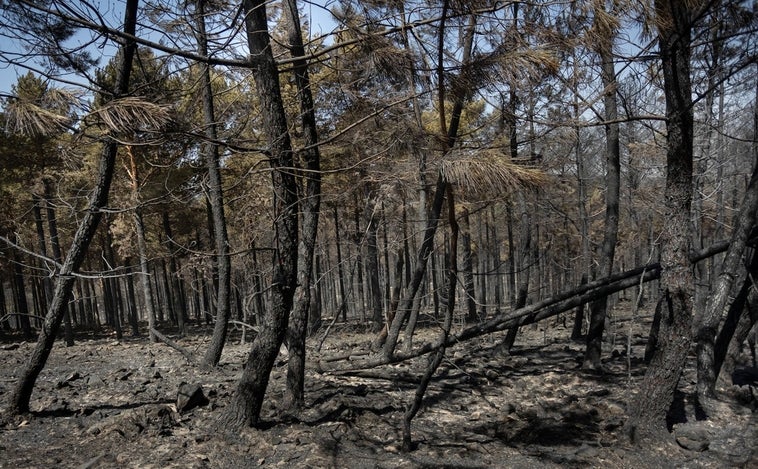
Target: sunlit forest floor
(108,403)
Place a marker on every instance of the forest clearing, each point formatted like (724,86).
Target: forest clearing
(337,233)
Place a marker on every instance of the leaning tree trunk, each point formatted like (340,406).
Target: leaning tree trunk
(451,135)
(648,408)
(740,317)
(720,296)
(216,200)
(436,360)
(22,391)
(598,309)
(310,205)
(245,405)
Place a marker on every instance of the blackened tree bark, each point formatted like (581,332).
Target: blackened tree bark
(648,408)
(215,199)
(467,266)
(55,245)
(436,360)
(372,259)
(598,309)
(245,406)
(21,394)
(719,298)
(180,307)
(19,291)
(340,269)
(116,305)
(740,318)
(310,205)
(47,283)
(524,269)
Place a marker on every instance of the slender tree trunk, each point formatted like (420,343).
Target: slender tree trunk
(358,241)
(648,408)
(215,199)
(511,254)
(180,307)
(740,317)
(139,228)
(598,309)
(372,262)
(245,405)
(19,287)
(21,394)
(450,136)
(524,269)
(496,284)
(467,266)
(484,236)
(434,363)
(310,205)
(52,226)
(42,247)
(340,269)
(719,298)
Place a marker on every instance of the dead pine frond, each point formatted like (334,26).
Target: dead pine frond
(30,119)
(131,114)
(489,173)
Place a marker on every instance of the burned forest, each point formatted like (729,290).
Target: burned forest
(378,234)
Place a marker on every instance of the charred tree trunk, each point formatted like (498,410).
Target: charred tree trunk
(436,360)
(19,290)
(450,132)
(598,309)
(340,269)
(42,247)
(739,320)
(372,262)
(180,306)
(310,204)
(216,201)
(22,391)
(245,405)
(719,298)
(139,229)
(52,226)
(467,266)
(648,408)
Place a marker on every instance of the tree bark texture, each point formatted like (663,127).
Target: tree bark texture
(718,300)
(310,204)
(216,201)
(245,406)
(649,407)
(21,394)
(740,318)
(467,265)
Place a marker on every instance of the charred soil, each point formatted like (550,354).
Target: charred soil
(109,403)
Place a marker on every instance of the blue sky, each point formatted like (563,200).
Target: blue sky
(315,12)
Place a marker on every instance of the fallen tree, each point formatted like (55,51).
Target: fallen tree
(523,316)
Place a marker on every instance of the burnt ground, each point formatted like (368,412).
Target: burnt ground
(108,403)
